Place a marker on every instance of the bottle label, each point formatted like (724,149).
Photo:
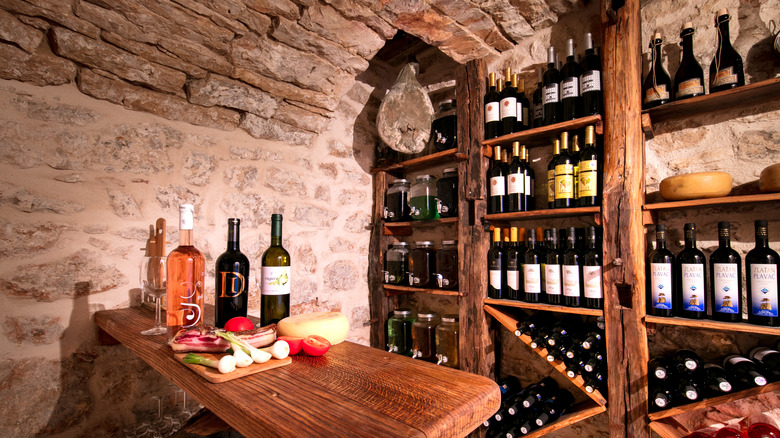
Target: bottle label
(492,113)
(658,92)
(661,283)
(725,76)
(497,186)
(529,187)
(690,87)
(588,178)
(590,81)
(591,275)
(564,181)
(513,279)
(764,289)
(275,280)
(571,280)
(726,287)
(552,279)
(187,307)
(551,93)
(551,186)
(533,278)
(570,87)
(760,355)
(495,279)
(538,112)
(515,183)
(508,107)
(522,113)
(693,298)
(233,284)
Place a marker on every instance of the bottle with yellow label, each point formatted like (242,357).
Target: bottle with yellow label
(589,171)
(564,175)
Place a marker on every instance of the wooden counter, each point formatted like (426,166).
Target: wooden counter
(353,390)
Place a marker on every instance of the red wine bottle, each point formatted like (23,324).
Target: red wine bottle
(538,100)
(590,81)
(553,259)
(552,91)
(530,184)
(657,87)
(515,183)
(496,177)
(532,274)
(589,171)
(726,70)
(660,276)
(686,362)
(726,278)
(564,175)
(523,106)
(553,407)
(689,79)
(761,268)
(691,267)
(745,371)
(232,279)
(768,360)
(660,369)
(497,264)
(571,100)
(592,288)
(508,105)
(572,271)
(715,380)
(514,255)
(492,112)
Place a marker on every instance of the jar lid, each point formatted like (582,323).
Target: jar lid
(449,318)
(449,242)
(400,182)
(424,177)
(450,170)
(400,244)
(402,312)
(426,314)
(423,243)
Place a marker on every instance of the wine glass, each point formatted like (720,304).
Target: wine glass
(153,281)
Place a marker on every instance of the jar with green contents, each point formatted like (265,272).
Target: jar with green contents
(422,264)
(424,336)
(399,332)
(447,342)
(423,202)
(447,265)
(397,263)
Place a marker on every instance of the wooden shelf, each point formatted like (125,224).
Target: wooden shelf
(510,322)
(714,401)
(551,213)
(405,228)
(578,412)
(541,136)
(393,290)
(669,428)
(715,325)
(545,307)
(710,202)
(450,155)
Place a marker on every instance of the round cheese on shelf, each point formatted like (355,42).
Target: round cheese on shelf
(696,186)
(332,326)
(769,181)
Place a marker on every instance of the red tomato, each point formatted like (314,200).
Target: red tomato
(315,345)
(239,324)
(295,343)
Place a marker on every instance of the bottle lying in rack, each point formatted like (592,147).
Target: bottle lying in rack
(525,409)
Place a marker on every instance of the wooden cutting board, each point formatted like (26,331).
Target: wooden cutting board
(214,376)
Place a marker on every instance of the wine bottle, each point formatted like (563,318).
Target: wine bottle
(530,175)
(564,175)
(497,265)
(541,337)
(496,177)
(531,325)
(686,391)
(659,368)
(593,340)
(660,395)
(659,276)
(509,386)
(746,374)
(492,111)
(726,278)
(595,382)
(769,361)
(514,257)
(554,406)
(715,380)
(589,171)
(691,271)
(538,99)
(572,271)
(275,281)
(532,276)
(553,259)
(551,174)
(571,102)
(761,266)
(508,109)
(185,278)
(657,86)
(590,81)
(686,362)
(539,391)
(551,97)
(232,279)
(523,106)
(575,161)
(591,272)
(594,362)
(515,182)
(689,79)
(726,70)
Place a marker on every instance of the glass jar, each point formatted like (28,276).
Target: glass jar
(447,342)
(447,265)
(423,198)
(447,193)
(399,332)
(422,264)
(424,336)
(397,202)
(397,263)
(444,129)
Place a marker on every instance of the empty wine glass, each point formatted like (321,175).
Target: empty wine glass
(153,280)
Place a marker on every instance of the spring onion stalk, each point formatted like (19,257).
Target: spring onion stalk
(225,365)
(279,350)
(242,359)
(257,355)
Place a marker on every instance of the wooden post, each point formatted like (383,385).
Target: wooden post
(377,300)
(624,243)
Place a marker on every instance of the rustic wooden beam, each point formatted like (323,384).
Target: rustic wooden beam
(624,243)
(378,303)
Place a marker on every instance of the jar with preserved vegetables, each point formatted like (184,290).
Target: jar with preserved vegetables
(447,265)
(397,207)
(444,129)
(399,332)
(447,347)
(397,263)
(423,198)
(422,264)
(424,336)
(447,193)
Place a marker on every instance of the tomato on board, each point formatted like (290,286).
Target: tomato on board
(295,343)
(315,345)
(239,324)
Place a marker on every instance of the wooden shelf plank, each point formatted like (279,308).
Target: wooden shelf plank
(709,202)
(405,228)
(392,290)
(541,136)
(714,401)
(450,155)
(578,412)
(669,428)
(510,322)
(544,214)
(715,325)
(545,307)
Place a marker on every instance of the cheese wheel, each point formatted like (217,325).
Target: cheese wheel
(769,181)
(696,186)
(332,326)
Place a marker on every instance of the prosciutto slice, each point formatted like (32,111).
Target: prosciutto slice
(205,340)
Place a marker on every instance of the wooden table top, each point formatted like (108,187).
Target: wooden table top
(352,390)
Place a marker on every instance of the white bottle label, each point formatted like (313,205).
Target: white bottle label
(495,279)
(570,87)
(515,183)
(763,289)
(726,287)
(275,280)
(529,186)
(693,298)
(492,113)
(590,81)
(532,279)
(513,279)
(591,276)
(497,186)
(508,107)
(552,279)
(522,113)
(571,280)
(661,283)
(551,93)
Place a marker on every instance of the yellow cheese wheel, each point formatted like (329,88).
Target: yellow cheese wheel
(332,326)
(696,186)
(769,181)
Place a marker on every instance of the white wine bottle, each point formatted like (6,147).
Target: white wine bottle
(275,277)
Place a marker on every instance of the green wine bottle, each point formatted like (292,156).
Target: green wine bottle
(275,277)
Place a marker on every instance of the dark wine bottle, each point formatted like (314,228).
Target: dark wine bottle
(531,325)
(657,87)
(554,406)
(689,79)
(492,112)
(496,177)
(571,101)
(659,276)
(564,175)
(514,256)
(715,380)
(590,81)
(746,374)
(539,391)
(761,266)
(589,171)
(660,395)
(595,382)
(538,98)
(594,362)
(691,293)
(532,275)
(232,279)
(552,91)
(508,108)
(530,175)
(572,271)
(540,341)
(593,340)
(551,174)
(509,386)
(563,331)
(659,368)
(575,160)
(592,288)
(726,278)
(275,271)
(515,182)
(687,391)
(523,106)
(497,264)
(686,362)
(553,259)
(769,361)
(726,70)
